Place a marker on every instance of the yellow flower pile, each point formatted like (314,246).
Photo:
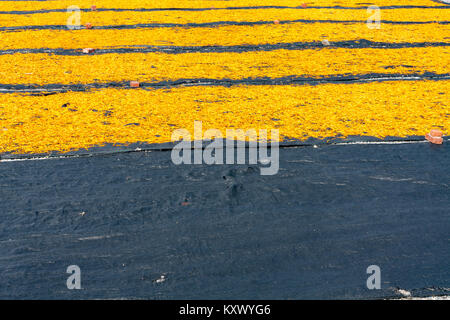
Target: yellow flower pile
(62,4)
(224,35)
(73,120)
(105,18)
(154,67)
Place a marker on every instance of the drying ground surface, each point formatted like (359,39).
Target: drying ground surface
(139,226)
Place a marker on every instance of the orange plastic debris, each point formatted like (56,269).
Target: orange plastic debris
(88,50)
(276,21)
(304,5)
(134,84)
(436,133)
(88,26)
(93,8)
(435,136)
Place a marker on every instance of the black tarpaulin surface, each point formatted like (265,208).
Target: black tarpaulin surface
(225,231)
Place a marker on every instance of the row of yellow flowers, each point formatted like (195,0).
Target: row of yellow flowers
(223,35)
(152,67)
(62,4)
(76,120)
(102,18)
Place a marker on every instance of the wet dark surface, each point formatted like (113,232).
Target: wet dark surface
(225,8)
(205,24)
(225,231)
(350,44)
